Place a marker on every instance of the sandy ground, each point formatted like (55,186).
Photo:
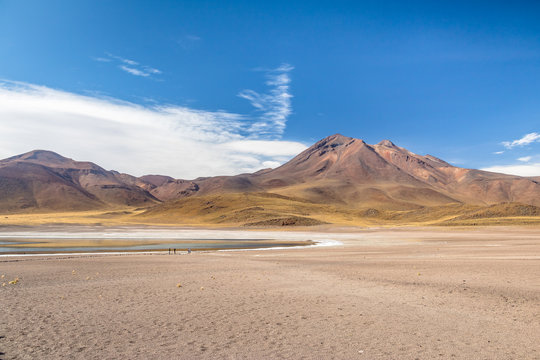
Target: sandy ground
(387,294)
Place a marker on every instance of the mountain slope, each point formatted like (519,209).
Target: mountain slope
(345,180)
(337,180)
(44,180)
(348,172)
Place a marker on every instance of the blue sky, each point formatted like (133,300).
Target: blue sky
(206,88)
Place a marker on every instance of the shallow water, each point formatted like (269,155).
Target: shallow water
(59,245)
(62,239)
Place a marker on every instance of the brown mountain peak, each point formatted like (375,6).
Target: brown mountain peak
(337,139)
(332,142)
(387,143)
(40,156)
(51,159)
(45,180)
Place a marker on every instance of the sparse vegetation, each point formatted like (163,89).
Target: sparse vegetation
(338,180)
(262,210)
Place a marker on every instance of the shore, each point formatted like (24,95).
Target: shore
(384,294)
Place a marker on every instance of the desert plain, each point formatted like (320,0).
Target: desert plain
(384,293)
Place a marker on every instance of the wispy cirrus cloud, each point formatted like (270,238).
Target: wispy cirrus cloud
(525,140)
(128,65)
(101,59)
(137,72)
(274,107)
(163,139)
(134,71)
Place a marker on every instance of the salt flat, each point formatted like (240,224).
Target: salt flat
(383,294)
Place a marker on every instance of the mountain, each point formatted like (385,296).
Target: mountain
(337,180)
(46,181)
(344,180)
(346,171)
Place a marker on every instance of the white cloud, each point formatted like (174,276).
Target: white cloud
(267,147)
(130,66)
(498,152)
(133,71)
(102,59)
(274,106)
(525,158)
(152,70)
(519,169)
(130,62)
(162,139)
(525,140)
(271,164)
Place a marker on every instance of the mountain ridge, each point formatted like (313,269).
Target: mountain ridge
(45,180)
(364,172)
(337,174)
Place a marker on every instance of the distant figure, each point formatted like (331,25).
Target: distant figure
(189,250)
(174,251)
(169,251)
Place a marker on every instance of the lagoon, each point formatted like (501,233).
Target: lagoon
(83,239)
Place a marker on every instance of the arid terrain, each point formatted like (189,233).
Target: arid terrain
(418,276)
(262,180)
(409,293)
(339,180)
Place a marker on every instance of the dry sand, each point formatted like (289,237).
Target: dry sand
(389,294)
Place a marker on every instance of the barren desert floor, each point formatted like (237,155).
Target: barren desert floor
(409,293)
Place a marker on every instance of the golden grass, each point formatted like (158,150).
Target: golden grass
(93,217)
(238,209)
(268,209)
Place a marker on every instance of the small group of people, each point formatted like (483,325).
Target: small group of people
(174,251)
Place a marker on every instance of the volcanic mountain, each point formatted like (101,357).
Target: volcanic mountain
(347,171)
(43,180)
(338,176)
